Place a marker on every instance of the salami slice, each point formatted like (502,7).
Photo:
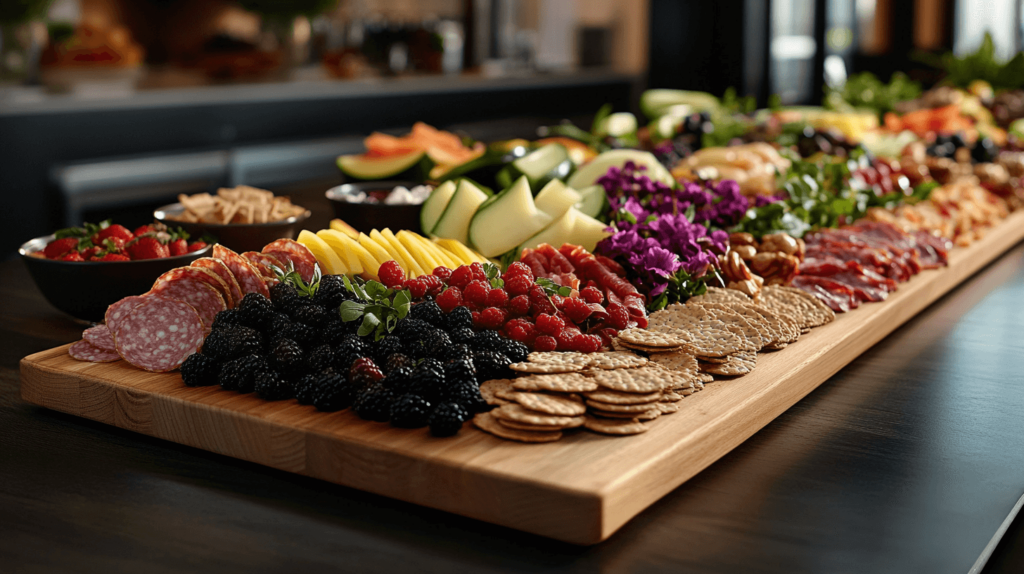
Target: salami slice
(291,251)
(262,262)
(203,298)
(121,309)
(86,351)
(160,334)
(200,274)
(249,279)
(221,270)
(100,336)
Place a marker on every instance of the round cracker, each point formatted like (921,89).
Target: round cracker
(613,408)
(489,424)
(616,360)
(558,357)
(640,380)
(575,423)
(546,368)
(522,414)
(550,404)
(615,427)
(667,408)
(490,390)
(620,398)
(561,383)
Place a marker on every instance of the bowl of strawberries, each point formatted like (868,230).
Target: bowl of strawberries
(82,270)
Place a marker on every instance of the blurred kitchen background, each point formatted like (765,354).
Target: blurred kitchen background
(111,107)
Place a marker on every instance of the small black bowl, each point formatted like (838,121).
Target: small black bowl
(84,290)
(368,216)
(237,236)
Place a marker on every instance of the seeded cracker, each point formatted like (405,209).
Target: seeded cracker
(610,408)
(797,304)
(739,364)
(616,360)
(650,415)
(766,332)
(702,333)
(506,395)
(489,391)
(568,383)
(558,358)
(528,427)
(550,404)
(680,362)
(487,423)
(620,398)
(667,408)
(548,368)
(641,380)
(671,397)
(520,414)
(614,427)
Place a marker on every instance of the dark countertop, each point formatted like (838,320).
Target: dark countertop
(908,460)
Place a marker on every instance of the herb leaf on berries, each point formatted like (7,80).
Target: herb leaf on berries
(378,307)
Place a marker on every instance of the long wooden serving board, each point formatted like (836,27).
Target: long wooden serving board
(580,489)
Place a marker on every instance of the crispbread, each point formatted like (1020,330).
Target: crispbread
(616,360)
(703,333)
(576,422)
(671,396)
(547,368)
(488,423)
(550,404)
(649,338)
(680,362)
(649,415)
(615,427)
(558,358)
(621,398)
(612,408)
(797,304)
(522,414)
(739,364)
(564,383)
(639,380)
(667,408)
(489,390)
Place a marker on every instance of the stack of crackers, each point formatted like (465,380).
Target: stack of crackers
(621,392)
(242,204)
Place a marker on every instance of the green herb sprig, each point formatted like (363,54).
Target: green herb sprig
(379,308)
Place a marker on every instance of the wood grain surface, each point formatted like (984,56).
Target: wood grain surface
(581,489)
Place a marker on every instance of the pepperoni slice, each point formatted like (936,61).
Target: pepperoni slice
(263,261)
(203,298)
(200,274)
(218,267)
(291,251)
(86,351)
(161,333)
(100,336)
(121,309)
(249,279)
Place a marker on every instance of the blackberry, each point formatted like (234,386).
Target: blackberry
(200,370)
(486,340)
(430,363)
(278,322)
(397,361)
(334,331)
(306,386)
(437,344)
(374,403)
(224,318)
(312,315)
(320,358)
(429,312)
(364,372)
(462,335)
(514,350)
(410,412)
(255,310)
(331,392)
(399,380)
(287,358)
(412,330)
(270,386)
(491,365)
(344,357)
(386,347)
(467,396)
(297,332)
(240,374)
(355,343)
(427,381)
(331,292)
(458,352)
(446,419)
(461,371)
(459,318)
(232,341)
(282,293)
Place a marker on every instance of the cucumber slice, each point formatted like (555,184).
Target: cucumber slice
(617,125)
(655,103)
(556,197)
(506,219)
(588,175)
(454,221)
(594,202)
(540,166)
(413,166)
(435,203)
(572,227)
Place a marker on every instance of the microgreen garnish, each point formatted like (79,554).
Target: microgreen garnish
(379,307)
(292,277)
(493,276)
(552,288)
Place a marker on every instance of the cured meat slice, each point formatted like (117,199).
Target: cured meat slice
(100,336)
(200,296)
(291,251)
(838,297)
(249,279)
(86,351)
(121,309)
(198,274)
(933,251)
(262,262)
(161,333)
(221,270)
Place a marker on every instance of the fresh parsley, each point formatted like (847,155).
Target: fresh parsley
(379,308)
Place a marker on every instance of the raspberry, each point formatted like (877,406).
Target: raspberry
(417,288)
(493,318)
(592,283)
(518,285)
(567,339)
(365,366)
(476,292)
(618,317)
(519,329)
(587,343)
(518,269)
(549,324)
(537,293)
(558,301)
(519,305)
(477,320)
(478,271)
(434,284)
(450,299)
(545,343)
(542,306)
(442,272)
(497,298)
(391,274)
(461,277)
(592,295)
(576,309)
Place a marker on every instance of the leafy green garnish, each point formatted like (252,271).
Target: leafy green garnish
(292,277)
(379,308)
(552,288)
(493,276)
(865,90)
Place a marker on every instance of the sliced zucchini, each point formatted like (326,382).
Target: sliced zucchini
(454,221)
(593,202)
(505,220)
(412,166)
(435,203)
(572,227)
(539,166)
(556,197)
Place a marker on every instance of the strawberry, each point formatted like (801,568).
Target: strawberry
(147,247)
(111,257)
(178,247)
(142,230)
(71,256)
(91,252)
(119,231)
(58,247)
(196,246)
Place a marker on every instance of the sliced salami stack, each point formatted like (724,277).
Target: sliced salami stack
(160,334)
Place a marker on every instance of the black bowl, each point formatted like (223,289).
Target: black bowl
(368,216)
(238,236)
(84,290)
